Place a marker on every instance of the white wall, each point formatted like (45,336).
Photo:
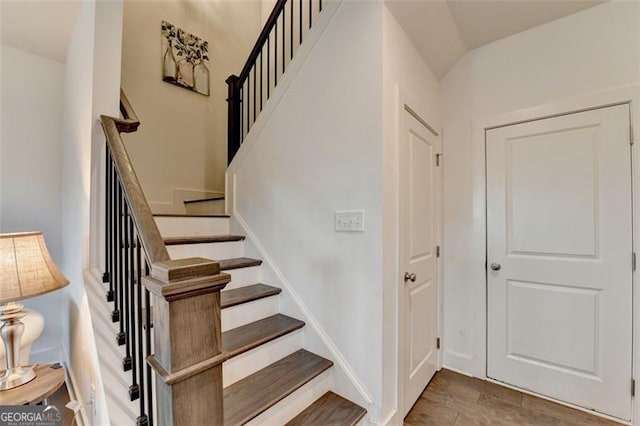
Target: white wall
(591,51)
(31,169)
(182,142)
(291,177)
(91,88)
(406,75)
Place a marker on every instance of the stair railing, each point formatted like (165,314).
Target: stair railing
(184,349)
(282,35)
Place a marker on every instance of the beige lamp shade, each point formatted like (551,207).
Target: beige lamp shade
(26,268)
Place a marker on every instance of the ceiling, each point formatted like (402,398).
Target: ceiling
(42,27)
(444,30)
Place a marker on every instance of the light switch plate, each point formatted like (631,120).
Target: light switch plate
(349,221)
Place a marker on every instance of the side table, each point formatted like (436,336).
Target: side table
(49,378)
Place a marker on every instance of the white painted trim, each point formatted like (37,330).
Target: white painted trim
(179,196)
(72,385)
(630,95)
(328,12)
(457,361)
(310,319)
(391,419)
(464,373)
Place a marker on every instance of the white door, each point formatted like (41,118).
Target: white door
(559,254)
(419,236)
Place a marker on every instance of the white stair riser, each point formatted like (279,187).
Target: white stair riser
(241,366)
(213,251)
(178,226)
(243,277)
(242,314)
(206,207)
(293,404)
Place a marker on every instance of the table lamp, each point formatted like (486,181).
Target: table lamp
(26,270)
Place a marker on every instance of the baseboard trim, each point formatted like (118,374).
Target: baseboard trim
(72,385)
(310,319)
(180,195)
(391,419)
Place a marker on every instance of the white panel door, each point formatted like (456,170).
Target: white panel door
(559,254)
(419,222)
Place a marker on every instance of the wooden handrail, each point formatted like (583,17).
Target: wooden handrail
(185,295)
(273,51)
(129,122)
(140,211)
(262,39)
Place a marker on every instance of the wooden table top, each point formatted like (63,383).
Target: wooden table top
(47,381)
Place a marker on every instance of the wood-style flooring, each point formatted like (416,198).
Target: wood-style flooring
(455,399)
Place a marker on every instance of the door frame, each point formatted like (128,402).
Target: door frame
(404,100)
(628,95)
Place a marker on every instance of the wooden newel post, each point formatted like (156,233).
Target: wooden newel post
(187,355)
(233,117)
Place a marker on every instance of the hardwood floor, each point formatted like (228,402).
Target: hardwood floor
(455,399)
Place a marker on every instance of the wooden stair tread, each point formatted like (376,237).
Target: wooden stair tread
(329,410)
(254,394)
(238,262)
(202,239)
(204,200)
(244,338)
(245,294)
(190,215)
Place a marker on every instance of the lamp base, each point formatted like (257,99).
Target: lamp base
(11,333)
(16,377)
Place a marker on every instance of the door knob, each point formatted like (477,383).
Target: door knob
(495,266)
(409,277)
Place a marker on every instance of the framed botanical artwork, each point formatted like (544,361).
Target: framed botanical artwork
(185,59)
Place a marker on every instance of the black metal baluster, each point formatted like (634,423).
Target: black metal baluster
(120,338)
(126,311)
(268,66)
(142,419)
(107,212)
(148,348)
(115,315)
(134,389)
(112,218)
(284,45)
(248,101)
(241,111)
(300,21)
(291,30)
(320,5)
(310,13)
(108,225)
(275,56)
(261,79)
(254,93)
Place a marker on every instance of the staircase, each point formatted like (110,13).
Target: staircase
(199,339)
(268,377)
